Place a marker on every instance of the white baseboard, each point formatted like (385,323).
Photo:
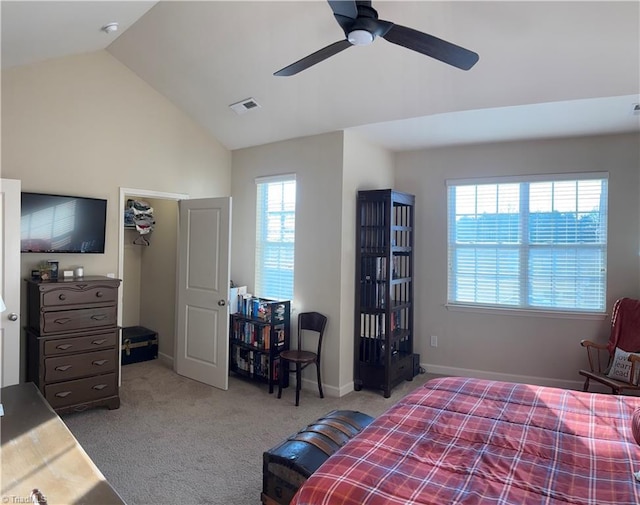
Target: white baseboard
(482,374)
(312,386)
(345,389)
(337,392)
(166,360)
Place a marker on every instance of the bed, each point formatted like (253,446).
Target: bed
(460,440)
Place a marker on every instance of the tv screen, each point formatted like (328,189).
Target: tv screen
(62,224)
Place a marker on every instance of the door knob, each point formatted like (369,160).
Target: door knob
(222,303)
(13,316)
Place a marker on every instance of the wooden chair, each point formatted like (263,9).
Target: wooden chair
(625,334)
(307,322)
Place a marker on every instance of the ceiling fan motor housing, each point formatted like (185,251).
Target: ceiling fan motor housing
(367,21)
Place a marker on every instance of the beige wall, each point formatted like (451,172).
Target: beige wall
(86,125)
(531,348)
(317,163)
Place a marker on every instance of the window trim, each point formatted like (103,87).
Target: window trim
(275,178)
(507,311)
(513,179)
(524,310)
(269,179)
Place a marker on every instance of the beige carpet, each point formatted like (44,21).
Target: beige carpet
(177,441)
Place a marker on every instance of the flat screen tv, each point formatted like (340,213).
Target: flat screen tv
(62,224)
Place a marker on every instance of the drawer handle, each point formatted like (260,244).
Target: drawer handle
(99,317)
(99,362)
(63,320)
(99,294)
(64,347)
(62,296)
(63,394)
(99,342)
(63,368)
(99,387)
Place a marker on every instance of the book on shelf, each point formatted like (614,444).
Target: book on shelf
(373,325)
(253,363)
(373,294)
(235,297)
(252,334)
(261,308)
(374,268)
(396,320)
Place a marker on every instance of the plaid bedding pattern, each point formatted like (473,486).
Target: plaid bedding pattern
(460,440)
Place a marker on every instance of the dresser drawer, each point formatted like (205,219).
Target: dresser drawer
(79,365)
(79,319)
(106,340)
(76,294)
(401,370)
(81,390)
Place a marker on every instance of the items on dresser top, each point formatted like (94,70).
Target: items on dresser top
(50,459)
(73,341)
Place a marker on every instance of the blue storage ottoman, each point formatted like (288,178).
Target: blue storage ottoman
(138,344)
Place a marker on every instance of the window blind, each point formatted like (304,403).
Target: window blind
(536,244)
(275,236)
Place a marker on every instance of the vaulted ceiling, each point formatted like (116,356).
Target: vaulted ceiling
(546,68)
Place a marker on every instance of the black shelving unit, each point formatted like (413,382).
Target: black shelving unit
(384,290)
(258,333)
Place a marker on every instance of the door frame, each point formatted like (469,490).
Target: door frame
(12,344)
(124,194)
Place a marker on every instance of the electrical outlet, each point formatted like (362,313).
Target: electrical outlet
(434,341)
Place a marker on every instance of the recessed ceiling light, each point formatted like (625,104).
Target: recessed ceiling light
(110,28)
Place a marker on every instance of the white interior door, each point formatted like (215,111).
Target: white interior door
(10,282)
(202,321)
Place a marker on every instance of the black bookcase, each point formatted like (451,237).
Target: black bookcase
(258,332)
(384,290)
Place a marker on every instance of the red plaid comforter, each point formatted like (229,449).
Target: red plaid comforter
(459,440)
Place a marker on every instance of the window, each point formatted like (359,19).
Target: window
(529,243)
(275,236)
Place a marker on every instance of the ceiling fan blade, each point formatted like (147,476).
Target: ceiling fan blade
(432,46)
(345,22)
(314,58)
(346,8)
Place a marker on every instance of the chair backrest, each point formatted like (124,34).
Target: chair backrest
(625,325)
(311,321)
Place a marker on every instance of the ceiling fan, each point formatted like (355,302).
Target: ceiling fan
(361,26)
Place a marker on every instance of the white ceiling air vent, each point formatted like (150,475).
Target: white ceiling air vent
(244,106)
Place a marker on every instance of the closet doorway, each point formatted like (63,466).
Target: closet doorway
(147,266)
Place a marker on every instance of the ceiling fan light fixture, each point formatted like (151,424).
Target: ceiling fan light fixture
(360,37)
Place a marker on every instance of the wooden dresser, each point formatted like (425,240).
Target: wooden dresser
(73,342)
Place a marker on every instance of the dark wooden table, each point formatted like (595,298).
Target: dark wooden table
(39,452)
